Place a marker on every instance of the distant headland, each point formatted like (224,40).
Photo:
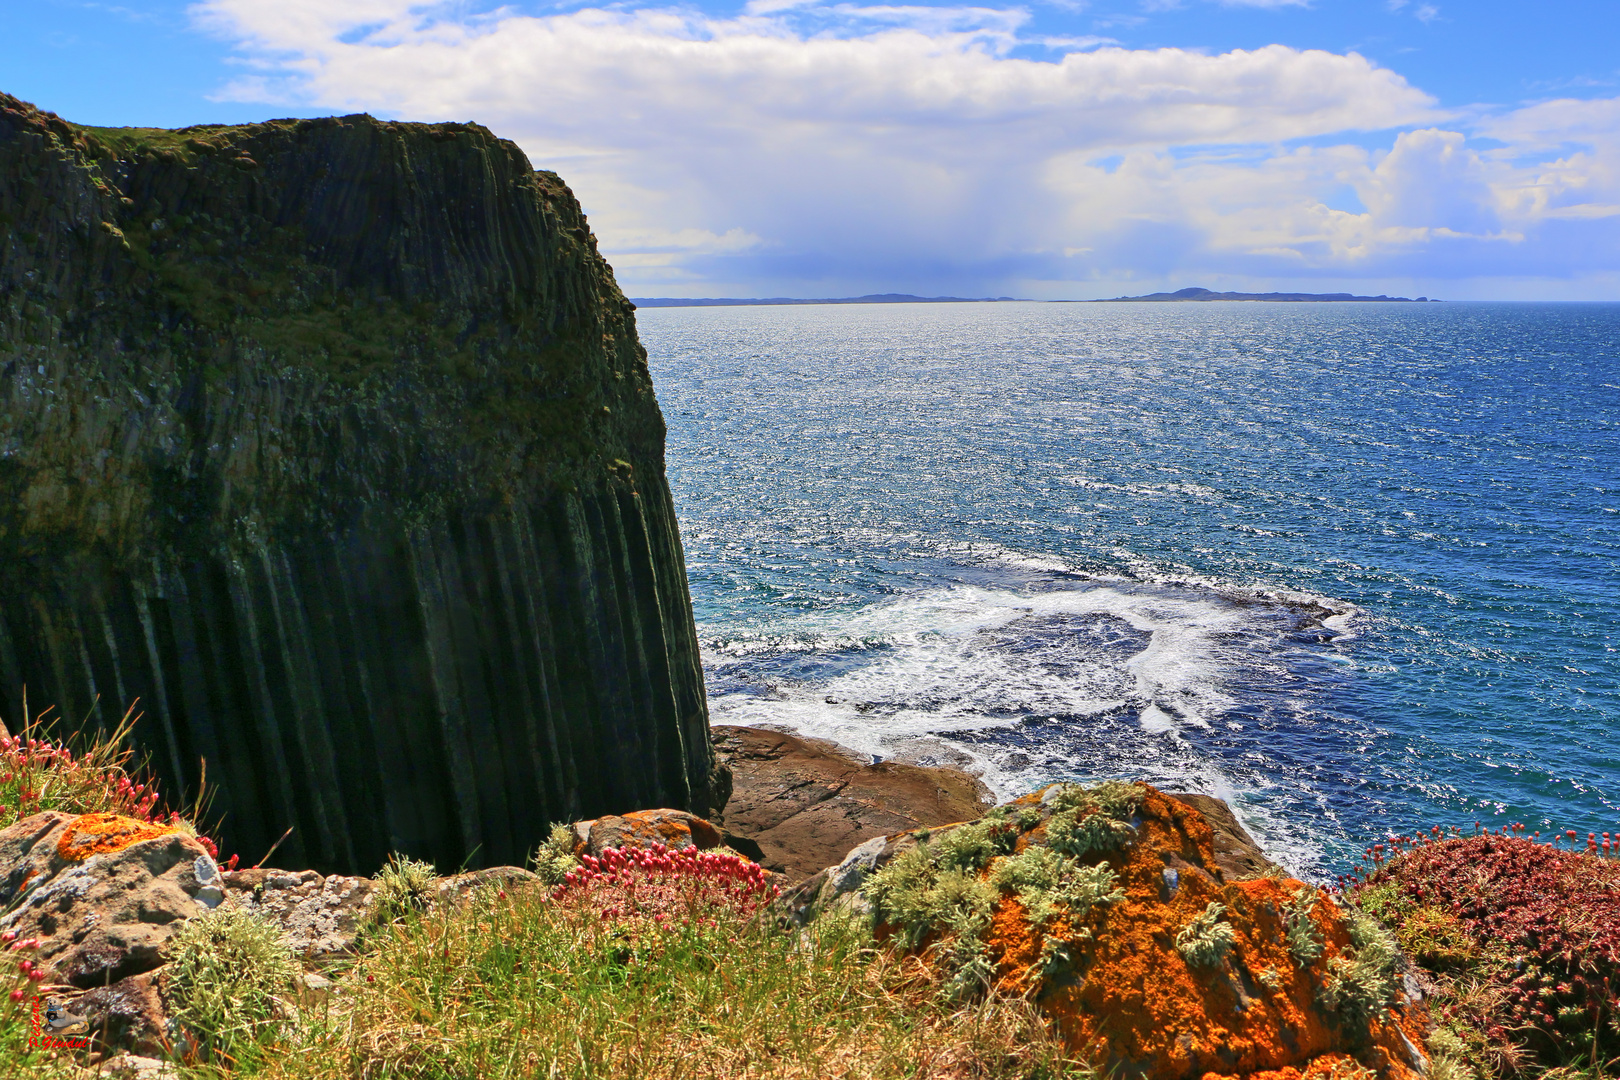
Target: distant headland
(873,298)
(907,298)
(1293,297)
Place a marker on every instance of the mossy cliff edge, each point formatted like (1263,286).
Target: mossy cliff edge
(332,442)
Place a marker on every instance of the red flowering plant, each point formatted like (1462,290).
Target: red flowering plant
(650,892)
(21,981)
(1523,937)
(40,772)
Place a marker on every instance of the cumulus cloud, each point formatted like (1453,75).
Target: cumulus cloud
(855,147)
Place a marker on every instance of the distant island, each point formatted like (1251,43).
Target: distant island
(873,298)
(1293,297)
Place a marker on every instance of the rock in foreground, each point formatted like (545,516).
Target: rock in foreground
(1109,907)
(101,907)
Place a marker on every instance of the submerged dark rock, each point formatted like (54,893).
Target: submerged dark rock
(331,441)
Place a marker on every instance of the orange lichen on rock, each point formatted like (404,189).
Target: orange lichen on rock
(102,834)
(1131,1001)
(644,828)
(1322,1067)
(672,830)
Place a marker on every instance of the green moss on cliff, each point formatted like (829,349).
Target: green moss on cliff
(418,286)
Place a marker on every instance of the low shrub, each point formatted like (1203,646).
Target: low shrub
(229,973)
(1522,936)
(1050,884)
(971,847)
(668,887)
(1205,941)
(1096,820)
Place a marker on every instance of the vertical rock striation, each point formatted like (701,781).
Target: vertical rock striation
(331,441)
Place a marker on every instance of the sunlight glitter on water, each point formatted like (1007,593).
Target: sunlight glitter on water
(1354,567)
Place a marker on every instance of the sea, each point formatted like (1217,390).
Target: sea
(1353,567)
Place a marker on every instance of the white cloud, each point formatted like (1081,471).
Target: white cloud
(800,145)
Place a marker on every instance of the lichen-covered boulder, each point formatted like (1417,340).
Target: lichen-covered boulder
(460,886)
(1109,908)
(643,828)
(100,894)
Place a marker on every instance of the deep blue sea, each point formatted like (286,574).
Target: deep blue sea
(1354,567)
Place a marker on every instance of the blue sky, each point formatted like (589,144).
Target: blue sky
(1071,148)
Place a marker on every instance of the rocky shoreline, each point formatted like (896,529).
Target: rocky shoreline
(809,802)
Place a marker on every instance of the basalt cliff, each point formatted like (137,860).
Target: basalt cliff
(331,442)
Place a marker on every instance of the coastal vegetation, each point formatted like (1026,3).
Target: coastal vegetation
(1518,938)
(1003,947)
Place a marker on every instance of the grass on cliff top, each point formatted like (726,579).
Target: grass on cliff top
(522,986)
(187,141)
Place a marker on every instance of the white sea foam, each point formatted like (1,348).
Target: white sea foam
(1019,687)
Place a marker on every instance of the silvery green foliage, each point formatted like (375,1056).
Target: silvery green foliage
(226,972)
(1206,940)
(899,894)
(1086,820)
(555,857)
(1361,984)
(404,885)
(1304,939)
(1050,884)
(970,847)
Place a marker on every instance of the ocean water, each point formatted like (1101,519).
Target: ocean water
(1355,568)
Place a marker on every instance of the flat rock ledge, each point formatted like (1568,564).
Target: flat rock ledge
(807,802)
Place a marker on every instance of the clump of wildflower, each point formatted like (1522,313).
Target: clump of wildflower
(102,776)
(667,888)
(1531,929)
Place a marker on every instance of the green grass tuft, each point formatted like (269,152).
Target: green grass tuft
(404,885)
(229,973)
